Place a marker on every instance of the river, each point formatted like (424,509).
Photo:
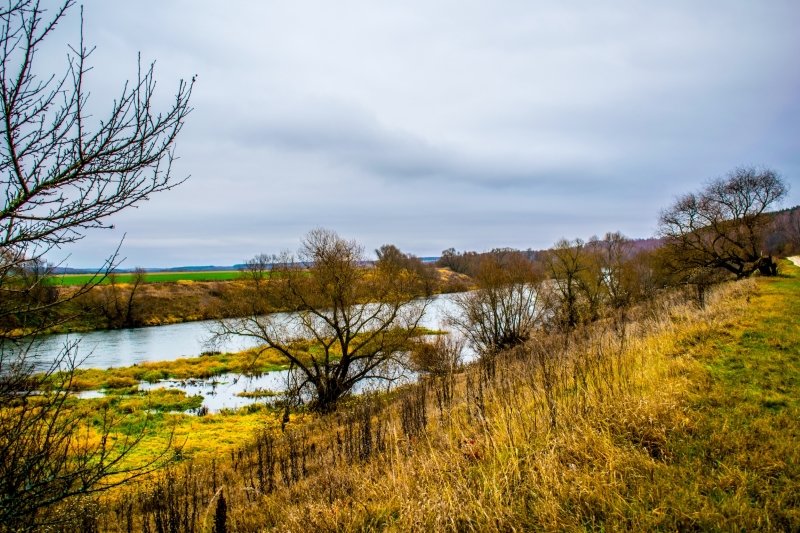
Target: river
(126,347)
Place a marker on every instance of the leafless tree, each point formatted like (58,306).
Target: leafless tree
(504,309)
(592,279)
(137,278)
(117,302)
(349,322)
(62,172)
(722,226)
(566,263)
(625,273)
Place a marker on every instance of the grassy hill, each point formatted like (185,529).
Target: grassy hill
(684,418)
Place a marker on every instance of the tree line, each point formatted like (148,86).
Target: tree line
(354,323)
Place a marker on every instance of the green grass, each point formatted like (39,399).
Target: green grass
(743,456)
(71,280)
(247,362)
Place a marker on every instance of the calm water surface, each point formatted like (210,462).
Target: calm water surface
(125,347)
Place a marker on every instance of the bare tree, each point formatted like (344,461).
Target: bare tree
(349,322)
(138,277)
(62,172)
(51,454)
(504,309)
(625,273)
(618,278)
(722,226)
(592,278)
(117,302)
(566,264)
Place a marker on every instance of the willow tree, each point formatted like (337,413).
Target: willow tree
(350,321)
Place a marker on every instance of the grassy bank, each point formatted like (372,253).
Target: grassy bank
(169,431)
(170,298)
(683,419)
(248,362)
(739,467)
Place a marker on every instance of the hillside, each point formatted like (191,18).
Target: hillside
(684,419)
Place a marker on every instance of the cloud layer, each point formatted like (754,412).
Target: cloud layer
(438,124)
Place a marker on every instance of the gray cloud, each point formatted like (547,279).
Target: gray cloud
(437,124)
(347,138)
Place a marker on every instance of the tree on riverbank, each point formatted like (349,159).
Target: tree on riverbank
(120,307)
(723,226)
(507,305)
(351,323)
(63,171)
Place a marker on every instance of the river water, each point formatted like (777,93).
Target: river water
(125,347)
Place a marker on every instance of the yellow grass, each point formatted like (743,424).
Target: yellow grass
(248,362)
(689,421)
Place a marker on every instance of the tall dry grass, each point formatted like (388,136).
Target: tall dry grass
(569,432)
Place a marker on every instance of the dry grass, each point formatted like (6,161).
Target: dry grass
(684,419)
(171,302)
(155,303)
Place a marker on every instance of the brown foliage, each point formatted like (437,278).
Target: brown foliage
(350,323)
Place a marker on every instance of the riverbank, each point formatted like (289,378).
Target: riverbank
(688,421)
(126,305)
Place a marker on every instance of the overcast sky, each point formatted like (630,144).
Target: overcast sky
(437,124)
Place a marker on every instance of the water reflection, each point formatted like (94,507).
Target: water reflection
(125,347)
(223,392)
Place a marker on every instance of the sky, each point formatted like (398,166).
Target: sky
(438,124)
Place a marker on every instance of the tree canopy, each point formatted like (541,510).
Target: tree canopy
(723,225)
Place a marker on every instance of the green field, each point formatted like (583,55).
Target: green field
(68,280)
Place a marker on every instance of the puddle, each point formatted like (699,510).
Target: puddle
(222,392)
